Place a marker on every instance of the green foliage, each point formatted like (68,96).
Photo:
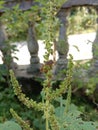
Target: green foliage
(3,73)
(7,50)
(1,4)
(82,19)
(64,116)
(7,58)
(17,23)
(7,99)
(21,122)
(73,119)
(10,125)
(82,77)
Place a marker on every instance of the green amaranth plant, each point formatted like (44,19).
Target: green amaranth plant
(48,95)
(65,116)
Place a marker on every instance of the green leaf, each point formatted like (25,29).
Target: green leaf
(10,125)
(1,4)
(72,119)
(88,126)
(76,48)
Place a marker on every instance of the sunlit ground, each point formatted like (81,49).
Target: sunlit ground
(80,46)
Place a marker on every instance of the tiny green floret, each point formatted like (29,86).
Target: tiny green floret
(21,122)
(30,103)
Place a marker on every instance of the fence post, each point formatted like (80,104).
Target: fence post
(95,48)
(33,49)
(62,46)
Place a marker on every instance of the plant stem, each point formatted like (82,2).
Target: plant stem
(47,124)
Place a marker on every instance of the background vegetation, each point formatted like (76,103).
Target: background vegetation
(84,101)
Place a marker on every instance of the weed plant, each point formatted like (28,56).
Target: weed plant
(64,116)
